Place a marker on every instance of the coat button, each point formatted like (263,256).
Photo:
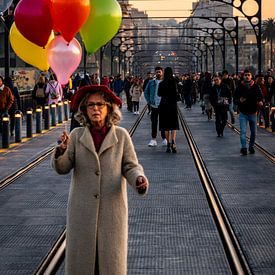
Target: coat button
(96,196)
(97,173)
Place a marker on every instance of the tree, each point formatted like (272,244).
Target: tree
(269,34)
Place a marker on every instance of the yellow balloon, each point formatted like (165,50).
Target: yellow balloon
(28,51)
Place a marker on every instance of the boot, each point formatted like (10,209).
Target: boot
(168,149)
(174,147)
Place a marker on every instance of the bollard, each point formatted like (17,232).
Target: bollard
(29,123)
(66,110)
(53,114)
(46,117)
(18,126)
(272,119)
(38,112)
(59,111)
(5,130)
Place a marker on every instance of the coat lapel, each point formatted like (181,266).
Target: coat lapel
(109,141)
(87,141)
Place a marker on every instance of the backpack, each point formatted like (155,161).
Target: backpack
(53,91)
(40,92)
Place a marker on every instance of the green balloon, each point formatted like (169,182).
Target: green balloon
(102,25)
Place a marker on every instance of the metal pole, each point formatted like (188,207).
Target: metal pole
(101,61)
(18,126)
(29,123)
(47,117)
(259,38)
(38,116)
(5,130)
(237,46)
(224,50)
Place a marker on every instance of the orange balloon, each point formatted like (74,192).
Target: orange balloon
(69,16)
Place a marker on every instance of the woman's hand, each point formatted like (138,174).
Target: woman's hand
(141,184)
(63,141)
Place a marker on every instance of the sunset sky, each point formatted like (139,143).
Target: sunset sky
(176,8)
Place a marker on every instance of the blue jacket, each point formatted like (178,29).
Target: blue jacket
(151,93)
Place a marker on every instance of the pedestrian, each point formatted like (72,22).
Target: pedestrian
(220,98)
(206,89)
(128,82)
(6,100)
(249,98)
(136,92)
(16,105)
(83,82)
(38,93)
(118,86)
(231,86)
(103,158)
(168,113)
(152,98)
(53,91)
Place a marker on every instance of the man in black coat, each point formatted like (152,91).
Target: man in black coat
(249,98)
(220,98)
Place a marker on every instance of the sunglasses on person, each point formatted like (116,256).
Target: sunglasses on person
(99,105)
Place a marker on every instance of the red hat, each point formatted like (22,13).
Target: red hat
(80,94)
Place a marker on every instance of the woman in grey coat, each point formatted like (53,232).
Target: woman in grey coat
(102,157)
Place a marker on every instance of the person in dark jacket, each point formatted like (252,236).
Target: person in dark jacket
(231,86)
(16,103)
(6,100)
(220,98)
(249,98)
(168,114)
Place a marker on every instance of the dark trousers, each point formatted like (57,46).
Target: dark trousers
(154,120)
(221,119)
(136,106)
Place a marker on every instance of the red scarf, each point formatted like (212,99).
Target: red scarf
(98,136)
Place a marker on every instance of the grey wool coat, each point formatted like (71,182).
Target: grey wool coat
(97,206)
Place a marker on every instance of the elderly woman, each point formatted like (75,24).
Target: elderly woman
(103,157)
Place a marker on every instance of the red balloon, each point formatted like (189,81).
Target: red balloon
(33,20)
(69,16)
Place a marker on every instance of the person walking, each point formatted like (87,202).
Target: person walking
(135,93)
(220,98)
(168,113)
(16,105)
(53,91)
(6,100)
(206,89)
(152,98)
(38,93)
(231,86)
(97,218)
(249,98)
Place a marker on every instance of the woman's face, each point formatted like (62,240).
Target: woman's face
(1,82)
(97,110)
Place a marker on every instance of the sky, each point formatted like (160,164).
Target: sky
(176,8)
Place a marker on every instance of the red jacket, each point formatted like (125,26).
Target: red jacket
(6,99)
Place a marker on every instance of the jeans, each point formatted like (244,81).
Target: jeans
(252,120)
(154,123)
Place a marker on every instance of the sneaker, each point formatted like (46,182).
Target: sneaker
(137,113)
(152,143)
(251,150)
(164,142)
(243,151)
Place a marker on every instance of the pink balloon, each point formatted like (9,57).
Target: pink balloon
(33,20)
(64,58)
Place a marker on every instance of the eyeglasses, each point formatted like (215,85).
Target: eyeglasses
(99,105)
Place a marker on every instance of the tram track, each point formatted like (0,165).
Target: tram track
(259,147)
(234,253)
(53,260)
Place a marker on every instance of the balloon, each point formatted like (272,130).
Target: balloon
(34,21)
(102,24)
(64,58)
(69,16)
(4,5)
(27,51)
